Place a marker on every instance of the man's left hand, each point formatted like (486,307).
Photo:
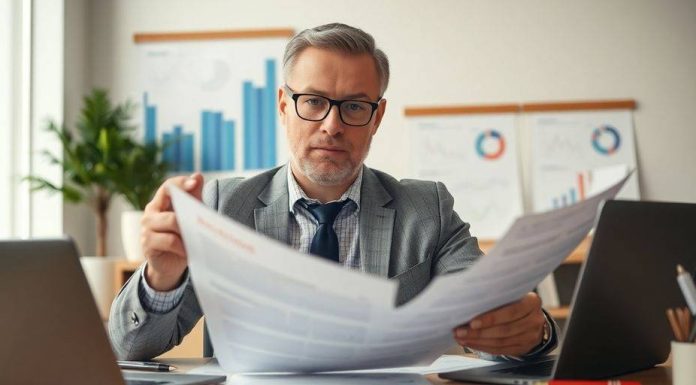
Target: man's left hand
(514,329)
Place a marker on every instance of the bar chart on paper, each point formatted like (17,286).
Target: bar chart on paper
(574,193)
(213,105)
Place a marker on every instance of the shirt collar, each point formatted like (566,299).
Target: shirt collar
(295,192)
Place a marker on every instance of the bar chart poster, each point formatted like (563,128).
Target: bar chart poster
(213,104)
(574,154)
(476,157)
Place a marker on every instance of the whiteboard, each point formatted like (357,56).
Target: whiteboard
(572,154)
(476,157)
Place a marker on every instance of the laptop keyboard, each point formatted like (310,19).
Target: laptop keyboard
(538,369)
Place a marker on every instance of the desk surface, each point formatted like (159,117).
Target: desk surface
(660,375)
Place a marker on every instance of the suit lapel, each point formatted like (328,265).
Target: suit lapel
(376,225)
(272,219)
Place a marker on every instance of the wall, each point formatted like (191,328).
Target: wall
(470,52)
(78,220)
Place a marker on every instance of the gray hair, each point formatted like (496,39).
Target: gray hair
(342,38)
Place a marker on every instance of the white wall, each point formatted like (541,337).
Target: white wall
(470,52)
(78,220)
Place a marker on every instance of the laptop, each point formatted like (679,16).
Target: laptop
(50,328)
(617,321)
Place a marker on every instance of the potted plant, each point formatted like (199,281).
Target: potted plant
(101,160)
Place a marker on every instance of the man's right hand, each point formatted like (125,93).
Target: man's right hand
(161,238)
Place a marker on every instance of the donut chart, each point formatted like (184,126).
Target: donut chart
(600,146)
(487,151)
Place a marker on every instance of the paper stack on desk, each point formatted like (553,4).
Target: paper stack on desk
(270,308)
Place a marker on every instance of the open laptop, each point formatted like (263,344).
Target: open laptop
(50,328)
(617,321)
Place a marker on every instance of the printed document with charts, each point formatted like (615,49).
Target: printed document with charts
(270,308)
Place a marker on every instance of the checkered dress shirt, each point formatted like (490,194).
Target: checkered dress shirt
(300,233)
(301,230)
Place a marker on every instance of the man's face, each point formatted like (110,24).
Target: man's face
(329,152)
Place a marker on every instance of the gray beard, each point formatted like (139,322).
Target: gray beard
(326,178)
(329,178)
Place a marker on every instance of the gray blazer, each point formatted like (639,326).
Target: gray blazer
(408,232)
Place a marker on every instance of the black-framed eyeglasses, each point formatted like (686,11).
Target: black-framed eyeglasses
(316,108)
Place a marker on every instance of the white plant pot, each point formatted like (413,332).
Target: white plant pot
(100,272)
(130,235)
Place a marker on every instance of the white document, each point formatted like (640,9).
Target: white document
(330,379)
(270,308)
(444,364)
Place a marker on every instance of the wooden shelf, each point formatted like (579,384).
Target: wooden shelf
(156,37)
(123,271)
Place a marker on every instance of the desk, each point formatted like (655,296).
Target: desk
(660,375)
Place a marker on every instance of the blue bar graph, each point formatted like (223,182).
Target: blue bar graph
(215,147)
(218,144)
(573,194)
(269,111)
(176,146)
(251,127)
(207,141)
(260,121)
(168,153)
(150,120)
(178,150)
(219,134)
(260,127)
(187,153)
(227,144)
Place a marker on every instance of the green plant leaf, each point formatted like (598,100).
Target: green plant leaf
(101,159)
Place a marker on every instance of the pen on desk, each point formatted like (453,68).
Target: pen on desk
(149,366)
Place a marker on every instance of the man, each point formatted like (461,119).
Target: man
(324,202)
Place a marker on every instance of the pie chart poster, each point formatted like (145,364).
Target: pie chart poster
(568,148)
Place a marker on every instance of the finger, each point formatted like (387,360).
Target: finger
(194,185)
(532,321)
(155,243)
(161,222)
(508,313)
(162,201)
